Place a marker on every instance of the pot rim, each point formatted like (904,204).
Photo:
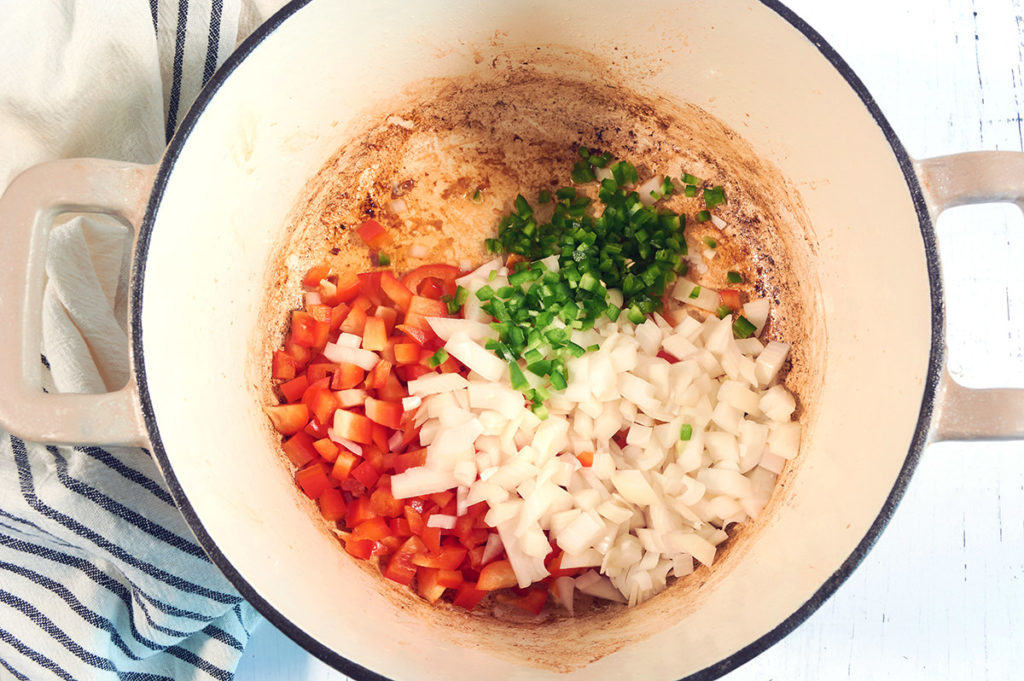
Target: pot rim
(738,658)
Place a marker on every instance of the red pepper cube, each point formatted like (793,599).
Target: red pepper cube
(283,366)
(343,464)
(407,353)
(293,390)
(496,575)
(468,596)
(332,504)
(347,287)
(385,413)
(373,234)
(366,473)
(369,286)
(445,273)
(401,568)
(327,449)
(338,314)
(384,504)
(288,419)
(410,459)
(347,376)
(359,511)
(731,298)
(359,548)
(299,449)
(315,274)
(372,528)
(353,426)
(312,480)
(308,331)
(375,334)
(399,294)
(355,321)
(379,375)
(421,308)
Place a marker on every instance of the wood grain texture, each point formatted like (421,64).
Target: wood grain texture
(940,595)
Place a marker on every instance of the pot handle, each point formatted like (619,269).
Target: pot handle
(27,210)
(974,177)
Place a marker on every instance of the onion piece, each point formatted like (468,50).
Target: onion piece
(563,590)
(446,327)
(493,548)
(770,361)
(474,356)
(420,480)
(778,404)
(353,447)
(433,384)
(342,354)
(756,312)
(706,299)
(441,520)
(651,185)
(599,586)
(350,340)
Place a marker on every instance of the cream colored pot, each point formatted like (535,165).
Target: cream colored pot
(213,216)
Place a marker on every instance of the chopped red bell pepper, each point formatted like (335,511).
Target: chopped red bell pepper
(373,234)
(496,575)
(288,419)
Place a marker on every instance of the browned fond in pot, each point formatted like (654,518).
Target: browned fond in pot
(515,128)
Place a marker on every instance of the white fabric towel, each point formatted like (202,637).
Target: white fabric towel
(100,577)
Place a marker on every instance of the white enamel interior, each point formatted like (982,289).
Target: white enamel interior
(280,115)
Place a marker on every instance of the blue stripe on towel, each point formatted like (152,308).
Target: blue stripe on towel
(37,657)
(78,608)
(128,473)
(14,672)
(130,598)
(28,492)
(120,510)
(213,44)
(58,634)
(179,58)
(215,632)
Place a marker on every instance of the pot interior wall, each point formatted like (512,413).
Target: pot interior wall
(327,71)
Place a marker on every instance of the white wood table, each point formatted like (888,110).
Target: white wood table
(941,596)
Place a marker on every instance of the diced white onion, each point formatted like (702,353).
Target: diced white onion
(445,522)
(420,480)
(768,363)
(342,354)
(651,185)
(778,404)
(432,384)
(353,447)
(634,514)
(446,327)
(474,356)
(350,340)
(706,299)
(756,312)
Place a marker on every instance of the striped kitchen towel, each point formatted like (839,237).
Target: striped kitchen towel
(100,577)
